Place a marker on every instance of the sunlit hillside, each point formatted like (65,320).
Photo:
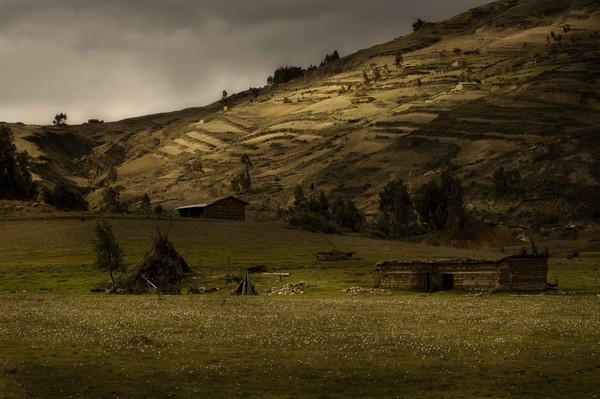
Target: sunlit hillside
(512,84)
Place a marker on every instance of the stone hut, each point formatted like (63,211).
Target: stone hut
(511,273)
(228,208)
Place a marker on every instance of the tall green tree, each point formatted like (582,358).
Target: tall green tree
(504,180)
(398,59)
(299,197)
(109,255)
(145,205)
(346,215)
(431,206)
(397,217)
(456,218)
(441,206)
(111,176)
(242,183)
(376,74)
(15,178)
(110,200)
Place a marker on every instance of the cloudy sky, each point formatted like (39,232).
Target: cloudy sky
(112,59)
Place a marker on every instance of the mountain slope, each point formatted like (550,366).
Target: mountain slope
(535,110)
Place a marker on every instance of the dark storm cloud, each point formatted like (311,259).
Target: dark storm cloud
(113,59)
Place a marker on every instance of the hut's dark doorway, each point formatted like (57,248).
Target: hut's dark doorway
(428,282)
(447,281)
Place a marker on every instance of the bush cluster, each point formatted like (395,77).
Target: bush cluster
(435,206)
(64,198)
(318,213)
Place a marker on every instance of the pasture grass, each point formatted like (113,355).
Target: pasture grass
(59,340)
(430,346)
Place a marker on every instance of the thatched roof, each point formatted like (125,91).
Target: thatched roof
(163,269)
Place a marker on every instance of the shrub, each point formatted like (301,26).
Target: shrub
(318,214)
(573,254)
(284,74)
(158,209)
(65,198)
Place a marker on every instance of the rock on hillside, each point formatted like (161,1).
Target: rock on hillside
(530,104)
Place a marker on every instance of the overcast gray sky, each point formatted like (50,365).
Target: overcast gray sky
(113,59)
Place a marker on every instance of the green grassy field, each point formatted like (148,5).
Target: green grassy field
(59,340)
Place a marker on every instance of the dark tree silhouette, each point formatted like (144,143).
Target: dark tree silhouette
(109,255)
(60,119)
(418,24)
(398,216)
(15,178)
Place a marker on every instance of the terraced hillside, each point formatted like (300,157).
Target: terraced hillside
(532,105)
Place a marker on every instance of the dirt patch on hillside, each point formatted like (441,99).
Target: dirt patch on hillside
(419,118)
(191,146)
(219,126)
(302,125)
(329,105)
(142,165)
(206,138)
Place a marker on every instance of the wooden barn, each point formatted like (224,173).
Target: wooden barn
(228,208)
(512,273)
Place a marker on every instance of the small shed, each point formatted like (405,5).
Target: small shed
(227,208)
(512,273)
(467,86)
(363,99)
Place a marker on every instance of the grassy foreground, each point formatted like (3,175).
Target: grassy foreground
(430,346)
(59,340)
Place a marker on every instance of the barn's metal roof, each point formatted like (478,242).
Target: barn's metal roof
(193,206)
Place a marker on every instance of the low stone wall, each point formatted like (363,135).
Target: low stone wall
(516,273)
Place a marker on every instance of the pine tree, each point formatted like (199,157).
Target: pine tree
(145,205)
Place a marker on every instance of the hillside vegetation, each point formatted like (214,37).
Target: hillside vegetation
(535,110)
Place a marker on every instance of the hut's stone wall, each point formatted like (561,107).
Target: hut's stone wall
(524,273)
(518,273)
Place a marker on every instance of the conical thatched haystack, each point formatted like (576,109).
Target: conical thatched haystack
(162,269)
(245,287)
